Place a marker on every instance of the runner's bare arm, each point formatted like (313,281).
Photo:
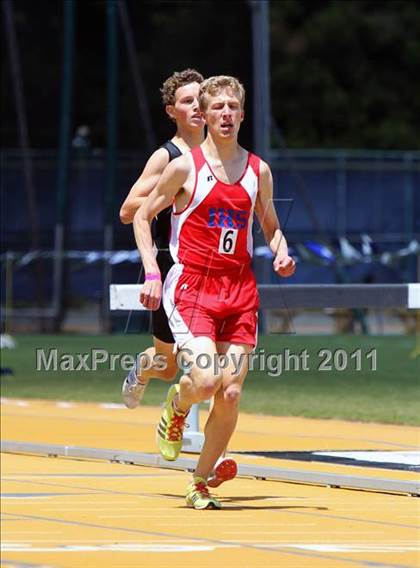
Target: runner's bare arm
(162,196)
(144,185)
(283,264)
(170,183)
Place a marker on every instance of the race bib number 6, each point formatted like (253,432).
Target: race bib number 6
(227,243)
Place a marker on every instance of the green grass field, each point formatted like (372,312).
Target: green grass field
(389,394)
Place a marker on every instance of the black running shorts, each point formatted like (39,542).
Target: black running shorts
(160,326)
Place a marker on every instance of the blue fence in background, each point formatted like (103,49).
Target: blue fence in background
(350,192)
(321,196)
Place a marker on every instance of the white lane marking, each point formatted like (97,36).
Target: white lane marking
(98,541)
(59,403)
(165,547)
(25,497)
(171,548)
(32,532)
(14,402)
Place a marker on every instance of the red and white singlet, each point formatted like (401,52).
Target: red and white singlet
(215,229)
(211,289)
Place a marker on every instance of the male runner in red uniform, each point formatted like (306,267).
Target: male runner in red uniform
(180,99)
(210,294)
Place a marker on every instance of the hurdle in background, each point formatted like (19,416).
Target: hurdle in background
(127,297)
(288,296)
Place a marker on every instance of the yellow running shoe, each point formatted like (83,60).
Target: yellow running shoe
(198,495)
(170,428)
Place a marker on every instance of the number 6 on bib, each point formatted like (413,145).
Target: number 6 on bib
(227,243)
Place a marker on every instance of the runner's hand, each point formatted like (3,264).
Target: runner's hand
(284,266)
(151,294)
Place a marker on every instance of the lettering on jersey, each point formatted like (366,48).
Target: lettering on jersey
(210,178)
(227,218)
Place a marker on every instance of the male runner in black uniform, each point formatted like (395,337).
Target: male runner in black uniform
(161,230)
(180,98)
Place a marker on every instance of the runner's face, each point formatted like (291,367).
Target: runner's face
(186,111)
(224,114)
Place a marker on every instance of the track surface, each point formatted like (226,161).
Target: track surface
(69,513)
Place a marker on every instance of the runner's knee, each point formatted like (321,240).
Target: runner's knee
(207,383)
(232,394)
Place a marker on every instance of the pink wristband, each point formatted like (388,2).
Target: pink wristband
(152,276)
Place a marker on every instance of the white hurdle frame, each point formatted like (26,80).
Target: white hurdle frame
(126,297)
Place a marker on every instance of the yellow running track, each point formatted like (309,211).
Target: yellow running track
(67,513)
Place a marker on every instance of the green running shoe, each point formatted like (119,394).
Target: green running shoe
(198,495)
(170,428)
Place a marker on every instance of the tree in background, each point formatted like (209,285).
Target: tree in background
(343,73)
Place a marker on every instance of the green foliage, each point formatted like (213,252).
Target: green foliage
(389,394)
(343,73)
